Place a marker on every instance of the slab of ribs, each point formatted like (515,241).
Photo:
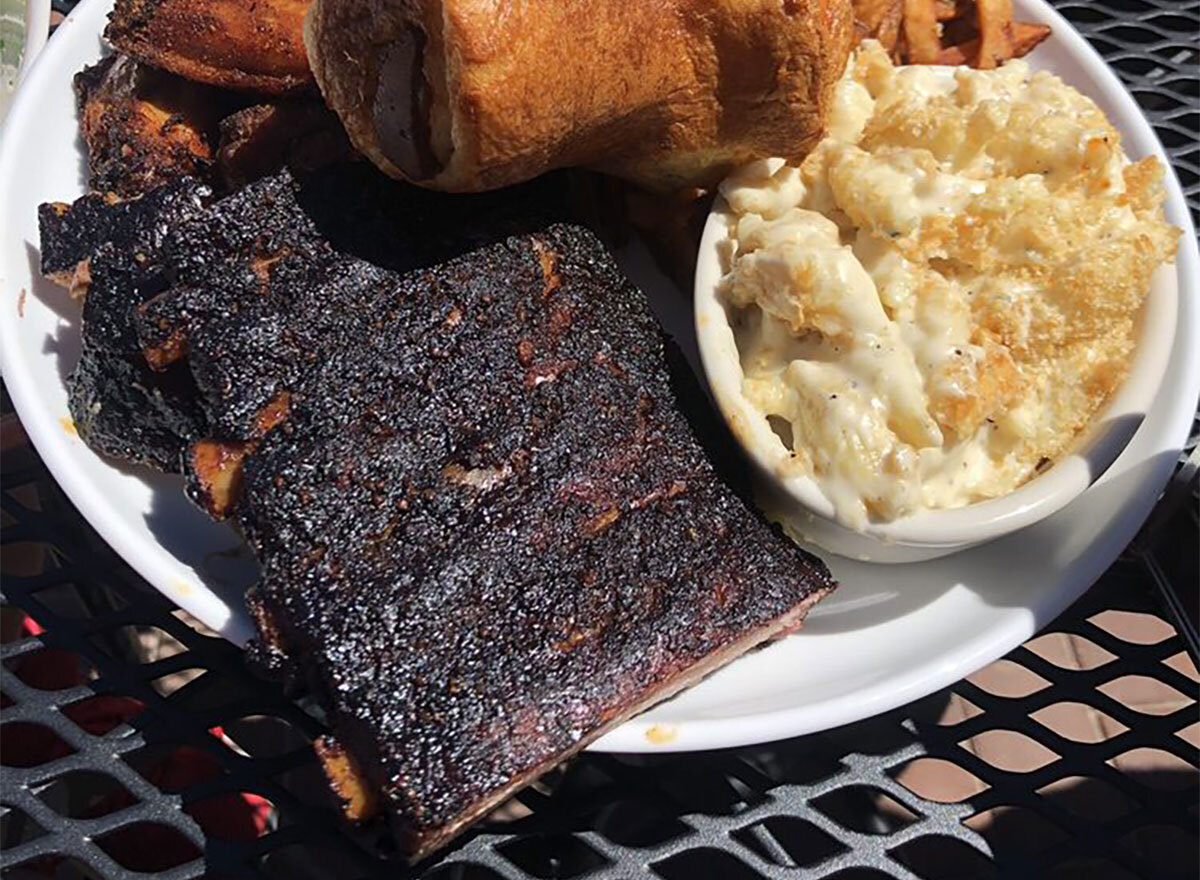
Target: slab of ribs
(450,430)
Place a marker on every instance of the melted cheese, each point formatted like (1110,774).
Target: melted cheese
(909,307)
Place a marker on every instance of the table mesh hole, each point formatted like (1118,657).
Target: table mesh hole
(79,602)
(1156,769)
(1131,34)
(1078,722)
(172,768)
(1176,54)
(1085,14)
(1169,21)
(15,624)
(51,669)
(1092,869)
(1011,751)
(1190,734)
(938,857)
(146,644)
(1184,665)
(1136,65)
(788,841)
(1165,849)
(241,815)
(865,809)
(16,827)
(102,715)
(25,558)
(552,855)
(148,846)
(711,794)
(1146,695)
(1088,798)
(265,736)
(1010,829)
(308,785)
(1135,627)
(166,685)
(944,709)
(1070,651)
(84,794)
(785,765)
(194,623)
(30,745)
(1004,678)
(939,780)
(637,824)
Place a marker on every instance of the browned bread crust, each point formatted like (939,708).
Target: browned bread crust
(478,94)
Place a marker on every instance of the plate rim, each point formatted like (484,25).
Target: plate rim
(58,453)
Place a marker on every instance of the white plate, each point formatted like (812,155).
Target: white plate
(891,634)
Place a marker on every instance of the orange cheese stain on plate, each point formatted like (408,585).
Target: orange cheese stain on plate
(662,734)
(68,425)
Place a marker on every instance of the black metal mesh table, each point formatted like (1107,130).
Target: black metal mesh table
(146,746)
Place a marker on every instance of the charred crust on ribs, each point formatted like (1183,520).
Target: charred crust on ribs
(479,571)
(449,430)
(144,127)
(119,405)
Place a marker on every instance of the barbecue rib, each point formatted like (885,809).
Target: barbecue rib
(487,532)
(70,234)
(242,305)
(112,254)
(144,127)
(175,257)
(301,134)
(219,42)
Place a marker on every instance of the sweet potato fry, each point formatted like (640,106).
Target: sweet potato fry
(1025,37)
(995,43)
(888,33)
(921,32)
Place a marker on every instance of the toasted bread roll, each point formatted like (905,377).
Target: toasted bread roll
(468,95)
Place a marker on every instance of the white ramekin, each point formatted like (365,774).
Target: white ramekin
(799,506)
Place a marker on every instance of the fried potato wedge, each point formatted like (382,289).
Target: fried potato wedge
(995,40)
(1024,37)
(228,43)
(922,33)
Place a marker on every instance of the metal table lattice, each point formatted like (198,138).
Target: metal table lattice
(1075,756)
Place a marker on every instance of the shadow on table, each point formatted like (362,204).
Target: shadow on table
(815,800)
